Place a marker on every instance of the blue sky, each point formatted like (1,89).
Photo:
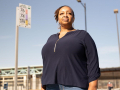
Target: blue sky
(101,25)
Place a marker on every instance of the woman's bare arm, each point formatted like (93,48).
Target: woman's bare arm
(93,85)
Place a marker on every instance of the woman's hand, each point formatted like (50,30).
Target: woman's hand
(93,85)
(43,88)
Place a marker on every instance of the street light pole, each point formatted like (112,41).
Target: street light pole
(116,11)
(84,5)
(85,16)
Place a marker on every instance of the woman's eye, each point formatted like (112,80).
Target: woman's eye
(70,13)
(61,13)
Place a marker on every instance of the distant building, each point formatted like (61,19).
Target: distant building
(109,75)
(7,76)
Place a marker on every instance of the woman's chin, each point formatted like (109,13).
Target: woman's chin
(65,23)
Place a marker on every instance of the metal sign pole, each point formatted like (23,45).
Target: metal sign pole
(23,19)
(28,74)
(16,50)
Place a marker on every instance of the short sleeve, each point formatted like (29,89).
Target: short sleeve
(92,58)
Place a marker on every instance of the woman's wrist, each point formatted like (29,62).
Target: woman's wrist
(92,88)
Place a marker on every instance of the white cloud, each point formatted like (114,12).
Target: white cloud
(5,37)
(109,62)
(108,49)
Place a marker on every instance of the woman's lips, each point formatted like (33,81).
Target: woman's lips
(65,19)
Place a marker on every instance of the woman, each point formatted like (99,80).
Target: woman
(70,60)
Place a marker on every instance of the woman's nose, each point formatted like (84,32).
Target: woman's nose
(65,15)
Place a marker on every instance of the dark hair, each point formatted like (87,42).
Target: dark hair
(57,12)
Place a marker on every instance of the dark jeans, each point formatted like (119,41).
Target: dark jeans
(62,87)
(109,88)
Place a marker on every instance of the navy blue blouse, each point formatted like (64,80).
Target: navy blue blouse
(70,60)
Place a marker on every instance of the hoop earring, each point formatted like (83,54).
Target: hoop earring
(73,25)
(59,26)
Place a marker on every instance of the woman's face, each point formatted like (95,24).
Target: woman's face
(65,16)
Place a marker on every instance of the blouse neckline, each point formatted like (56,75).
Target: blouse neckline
(66,33)
(69,31)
